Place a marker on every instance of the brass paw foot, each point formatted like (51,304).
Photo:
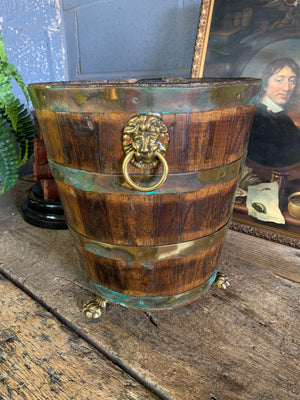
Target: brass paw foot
(95,308)
(221,281)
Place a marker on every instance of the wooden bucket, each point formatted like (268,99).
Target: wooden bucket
(147,173)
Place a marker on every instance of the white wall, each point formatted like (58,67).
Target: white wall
(32,30)
(54,40)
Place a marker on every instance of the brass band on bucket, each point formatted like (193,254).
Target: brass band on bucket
(171,96)
(144,303)
(149,253)
(108,183)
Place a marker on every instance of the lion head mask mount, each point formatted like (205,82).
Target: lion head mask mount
(145,135)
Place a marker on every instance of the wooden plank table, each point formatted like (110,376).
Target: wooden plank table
(42,359)
(239,343)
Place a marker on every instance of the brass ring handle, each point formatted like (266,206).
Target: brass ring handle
(134,185)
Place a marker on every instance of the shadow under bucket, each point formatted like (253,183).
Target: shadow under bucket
(147,173)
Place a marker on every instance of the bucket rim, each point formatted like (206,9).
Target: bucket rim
(147,83)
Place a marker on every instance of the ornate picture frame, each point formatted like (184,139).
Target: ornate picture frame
(259,38)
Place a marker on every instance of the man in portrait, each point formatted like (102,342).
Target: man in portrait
(275,139)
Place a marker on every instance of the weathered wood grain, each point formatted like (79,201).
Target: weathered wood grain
(200,140)
(190,208)
(40,359)
(133,219)
(241,343)
(281,260)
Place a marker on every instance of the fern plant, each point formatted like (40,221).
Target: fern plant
(16,126)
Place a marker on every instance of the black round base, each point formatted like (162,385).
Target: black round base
(44,214)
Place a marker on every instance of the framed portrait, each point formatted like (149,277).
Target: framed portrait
(261,38)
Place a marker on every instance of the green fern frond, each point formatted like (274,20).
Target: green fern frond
(8,159)
(3,56)
(16,126)
(24,134)
(18,78)
(8,105)
(10,70)
(7,98)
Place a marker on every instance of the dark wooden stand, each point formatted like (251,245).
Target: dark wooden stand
(47,214)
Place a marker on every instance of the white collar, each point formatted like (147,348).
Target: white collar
(271,106)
